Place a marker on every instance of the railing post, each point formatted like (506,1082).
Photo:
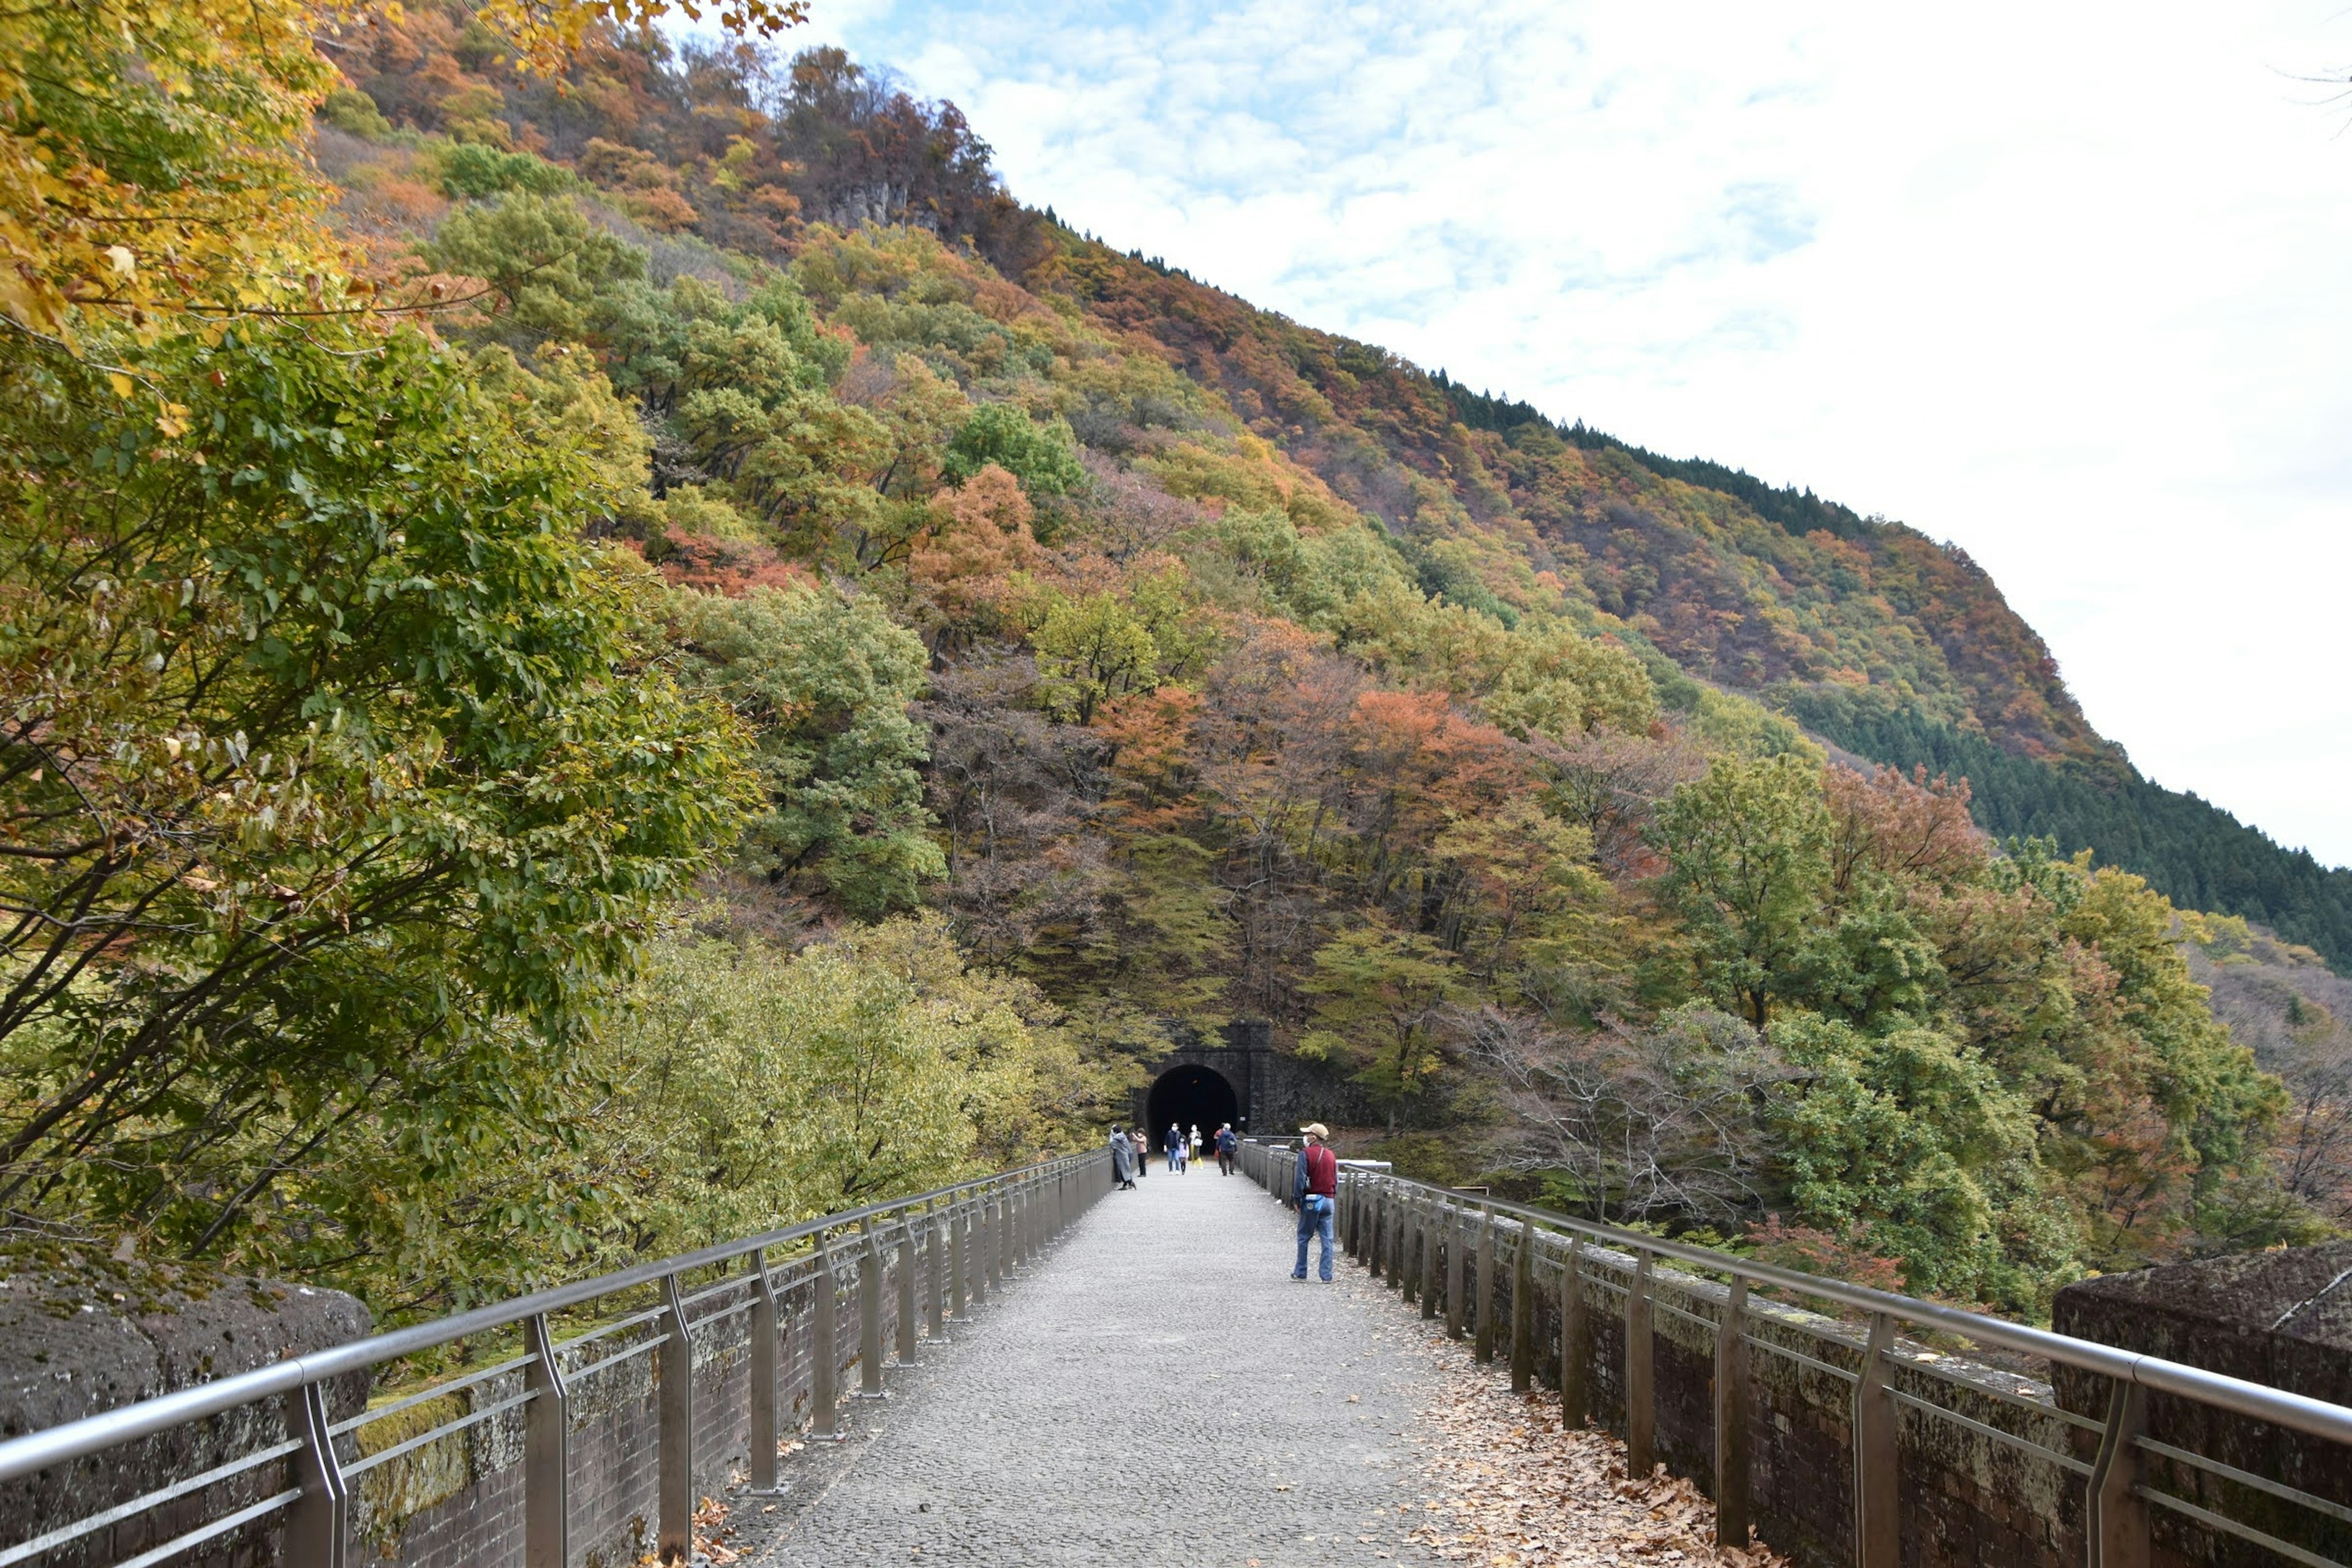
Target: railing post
(906,1324)
(1433,1236)
(316,1523)
(1409,1249)
(1482,1347)
(764,1435)
(870,1313)
(1351,1226)
(1877,1529)
(1731,1418)
(1641,1384)
(983,1250)
(675,1539)
(1523,1316)
(959,1258)
(1457,1270)
(1575,1339)
(2116,1525)
(1006,1222)
(546,1442)
(935,1272)
(824,1354)
(1400,1243)
(1380,1227)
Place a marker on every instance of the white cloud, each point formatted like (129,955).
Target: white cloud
(2063,284)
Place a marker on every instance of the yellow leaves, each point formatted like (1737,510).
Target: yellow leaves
(545,33)
(123,386)
(95,97)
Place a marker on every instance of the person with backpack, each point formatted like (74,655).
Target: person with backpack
(1316,1190)
(1227,1144)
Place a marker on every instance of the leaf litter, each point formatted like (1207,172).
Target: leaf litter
(1512,1487)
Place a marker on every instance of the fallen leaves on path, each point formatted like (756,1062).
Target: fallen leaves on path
(1511,1487)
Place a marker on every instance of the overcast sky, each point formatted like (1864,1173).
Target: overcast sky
(2066,284)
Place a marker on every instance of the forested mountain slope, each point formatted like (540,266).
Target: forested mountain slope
(1875,638)
(1873,635)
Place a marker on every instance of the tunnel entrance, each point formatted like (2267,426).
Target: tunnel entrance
(1190,1096)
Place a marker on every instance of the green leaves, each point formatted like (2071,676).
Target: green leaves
(1092,649)
(340,785)
(1044,457)
(549,272)
(476,170)
(1747,853)
(824,680)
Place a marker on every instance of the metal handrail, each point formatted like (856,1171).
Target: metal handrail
(2316,1418)
(36,1451)
(1394,1226)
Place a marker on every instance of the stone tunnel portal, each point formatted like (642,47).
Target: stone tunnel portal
(1190,1096)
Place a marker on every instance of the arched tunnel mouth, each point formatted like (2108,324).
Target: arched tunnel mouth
(1189,1097)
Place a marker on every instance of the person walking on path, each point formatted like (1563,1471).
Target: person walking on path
(1192,1142)
(1122,1159)
(1226,1144)
(1316,1190)
(1175,1142)
(1142,1147)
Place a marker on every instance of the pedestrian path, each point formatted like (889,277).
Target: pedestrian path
(1155,1389)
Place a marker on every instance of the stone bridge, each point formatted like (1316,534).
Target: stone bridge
(1048,1369)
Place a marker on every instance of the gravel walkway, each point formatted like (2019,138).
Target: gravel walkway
(1155,1390)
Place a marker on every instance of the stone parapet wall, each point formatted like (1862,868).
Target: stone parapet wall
(457,1502)
(2282,1318)
(86,1335)
(1967,1498)
(1973,1490)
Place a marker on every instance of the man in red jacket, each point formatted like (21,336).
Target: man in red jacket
(1316,1190)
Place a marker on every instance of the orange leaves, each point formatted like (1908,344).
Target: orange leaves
(1895,827)
(1810,1251)
(1432,764)
(977,536)
(1150,733)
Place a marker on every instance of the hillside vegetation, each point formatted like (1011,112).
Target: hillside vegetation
(679,656)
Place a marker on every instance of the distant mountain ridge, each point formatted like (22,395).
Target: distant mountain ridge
(1869,634)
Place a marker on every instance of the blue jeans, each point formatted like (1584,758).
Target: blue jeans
(1314,1219)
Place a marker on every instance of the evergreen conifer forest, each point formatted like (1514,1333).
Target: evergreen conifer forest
(606,644)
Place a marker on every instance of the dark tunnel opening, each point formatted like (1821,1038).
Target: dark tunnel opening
(1189,1096)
